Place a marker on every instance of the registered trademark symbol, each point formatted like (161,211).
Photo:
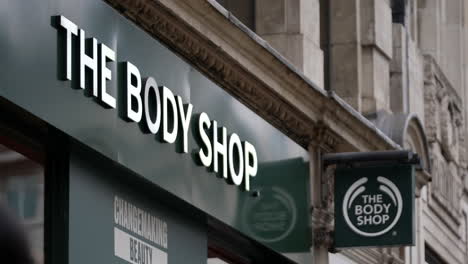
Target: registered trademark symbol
(394,233)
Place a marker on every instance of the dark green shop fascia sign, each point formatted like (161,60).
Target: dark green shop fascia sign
(155,107)
(374,206)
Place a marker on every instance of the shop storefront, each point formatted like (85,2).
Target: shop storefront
(117,150)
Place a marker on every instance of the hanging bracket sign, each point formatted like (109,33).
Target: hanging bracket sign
(374,203)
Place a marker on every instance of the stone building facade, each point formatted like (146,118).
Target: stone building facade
(338,76)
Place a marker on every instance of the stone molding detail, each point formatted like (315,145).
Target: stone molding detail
(160,22)
(323,216)
(323,226)
(325,141)
(446,136)
(431,109)
(462,155)
(328,185)
(325,138)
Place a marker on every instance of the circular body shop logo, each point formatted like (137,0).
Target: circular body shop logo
(372,208)
(272,216)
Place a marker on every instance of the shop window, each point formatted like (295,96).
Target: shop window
(22,191)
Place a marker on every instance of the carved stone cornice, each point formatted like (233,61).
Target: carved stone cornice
(163,24)
(431,110)
(433,74)
(323,216)
(325,138)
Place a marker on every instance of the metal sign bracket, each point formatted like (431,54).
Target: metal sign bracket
(364,159)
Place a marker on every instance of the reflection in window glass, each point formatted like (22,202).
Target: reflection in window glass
(22,190)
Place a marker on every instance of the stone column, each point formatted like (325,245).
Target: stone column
(360,52)
(452,61)
(429,28)
(320,230)
(376,41)
(345,50)
(399,71)
(321,189)
(293,28)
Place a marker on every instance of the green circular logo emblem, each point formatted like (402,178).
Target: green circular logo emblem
(270,217)
(372,207)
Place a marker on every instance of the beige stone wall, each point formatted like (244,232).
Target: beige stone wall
(292,27)
(376,42)
(415,73)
